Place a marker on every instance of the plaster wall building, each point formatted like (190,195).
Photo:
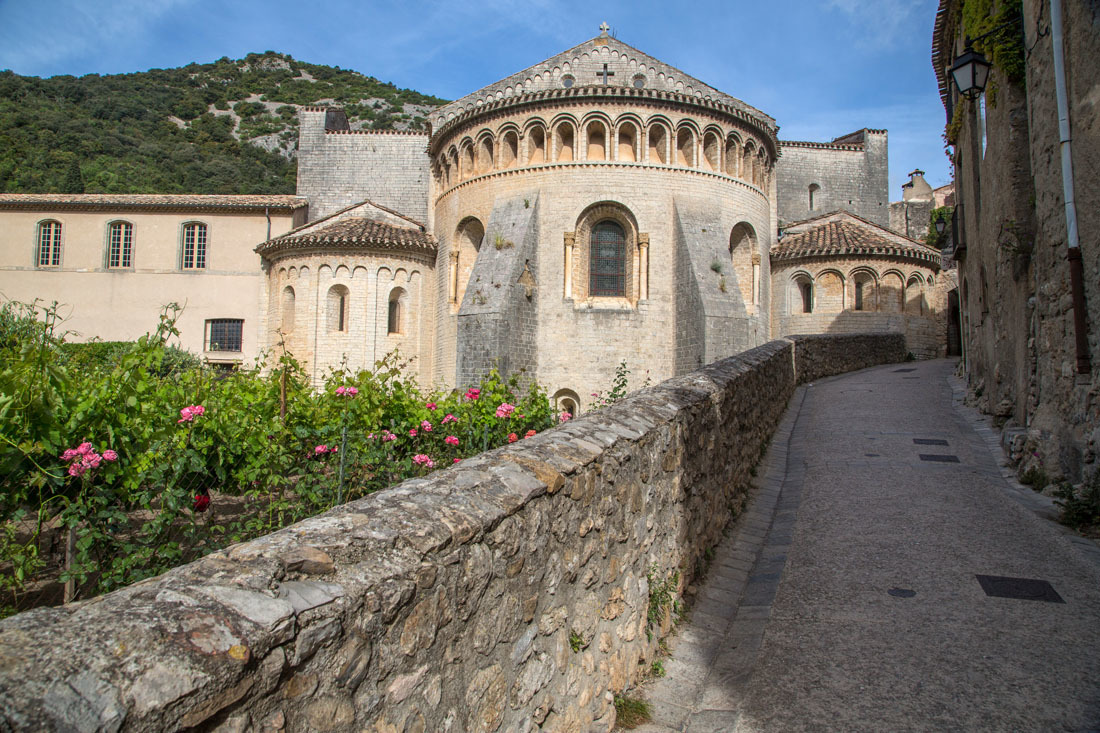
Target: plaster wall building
(1030,343)
(113,261)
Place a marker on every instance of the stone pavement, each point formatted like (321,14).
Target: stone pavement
(847,596)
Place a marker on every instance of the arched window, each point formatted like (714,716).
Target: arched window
(338,308)
(536,145)
(566,402)
(466,162)
(467,243)
(814,188)
(863,291)
(120,245)
(485,154)
(509,149)
(685,148)
(746,268)
(48,246)
(748,156)
(287,307)
(733,155)
(802,300)
(711,154)
(395,316)
(563,141)
(628,138)
(193,255)
(607,260)
(658,144)
(914,296)
(597,146)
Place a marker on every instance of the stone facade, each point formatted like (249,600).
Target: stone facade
(1010,238)
(508,593)
(849,173)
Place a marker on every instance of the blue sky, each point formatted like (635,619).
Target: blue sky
(821,68)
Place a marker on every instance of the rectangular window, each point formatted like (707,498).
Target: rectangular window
(120,245)
(194,247)
(224,334)
(49,244)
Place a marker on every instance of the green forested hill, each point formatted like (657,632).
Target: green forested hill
(225,127)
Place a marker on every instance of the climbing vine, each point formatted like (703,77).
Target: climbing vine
(1004,47)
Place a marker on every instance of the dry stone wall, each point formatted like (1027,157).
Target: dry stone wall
(507,593)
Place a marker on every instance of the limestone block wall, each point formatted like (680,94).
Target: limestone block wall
(898,296)
(339,168)
(509,592)
(911,218)
(303,291)
(849,175)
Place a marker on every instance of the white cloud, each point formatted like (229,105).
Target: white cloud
(881,23)
(35,36)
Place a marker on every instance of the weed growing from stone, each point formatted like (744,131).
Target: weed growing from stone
(576,641)
(630,712)
(657,669)
(1081,507)
(1035,477)
(661,596)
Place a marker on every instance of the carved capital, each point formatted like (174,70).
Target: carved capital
(570,238)
(643,239)
(756,258)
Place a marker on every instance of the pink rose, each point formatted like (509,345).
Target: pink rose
(565,416)
(426,425)
(449,418)
(512,437)
(69,454)
(412,432)
(530,433)
(457,460)
(321,449)
(84,448)
(430,405)
(505,410)
(110,455)
(451,440)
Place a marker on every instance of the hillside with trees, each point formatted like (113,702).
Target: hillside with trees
(226,127)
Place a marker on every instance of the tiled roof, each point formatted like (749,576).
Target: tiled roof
(843,233)
(585,61)
(149,201)
(352,232)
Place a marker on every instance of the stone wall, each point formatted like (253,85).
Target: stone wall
(338,168)
(509,592)
(851,174)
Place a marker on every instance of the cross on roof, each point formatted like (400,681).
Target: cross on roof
(605,73)
(604,28)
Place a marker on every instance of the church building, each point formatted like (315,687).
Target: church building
(596,208)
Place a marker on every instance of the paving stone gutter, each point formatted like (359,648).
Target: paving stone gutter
(510,592)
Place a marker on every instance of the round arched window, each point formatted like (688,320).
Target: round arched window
(607,260)
(567,81)
(639,81)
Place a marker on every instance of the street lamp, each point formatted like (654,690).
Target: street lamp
(941,225)
(970,72)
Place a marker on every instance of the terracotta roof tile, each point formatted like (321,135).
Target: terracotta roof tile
(846,234)
(149,201)
(351,232)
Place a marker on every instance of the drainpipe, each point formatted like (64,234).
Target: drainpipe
(267,215)
(1076,266)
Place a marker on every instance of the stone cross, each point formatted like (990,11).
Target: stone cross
(604,28)
(605,73)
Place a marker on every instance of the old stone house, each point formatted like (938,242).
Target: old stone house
(1027,208)
(596,208)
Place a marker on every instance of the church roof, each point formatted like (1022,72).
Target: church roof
(89,201)
(585,63)
(362,225)
(842,233)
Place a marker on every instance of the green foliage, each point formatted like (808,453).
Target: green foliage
(619,388)
(1080,507)
(630,712)
(265,450)
(1004,47)
(662,598)
(934,238)
(576,641)
(117,133)
(1035,477)
(657,669)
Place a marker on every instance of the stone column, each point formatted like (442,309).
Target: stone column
(755,280)
(643,266)
(453,297)
(570,238)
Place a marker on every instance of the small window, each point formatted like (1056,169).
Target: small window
(194,247)
(567,81)
(607,261)
(49,244)
(224,334)
(814,188)
(396,312)
(639,81)
(120,245)
(338,308)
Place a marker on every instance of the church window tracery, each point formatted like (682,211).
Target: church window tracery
(607,260)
